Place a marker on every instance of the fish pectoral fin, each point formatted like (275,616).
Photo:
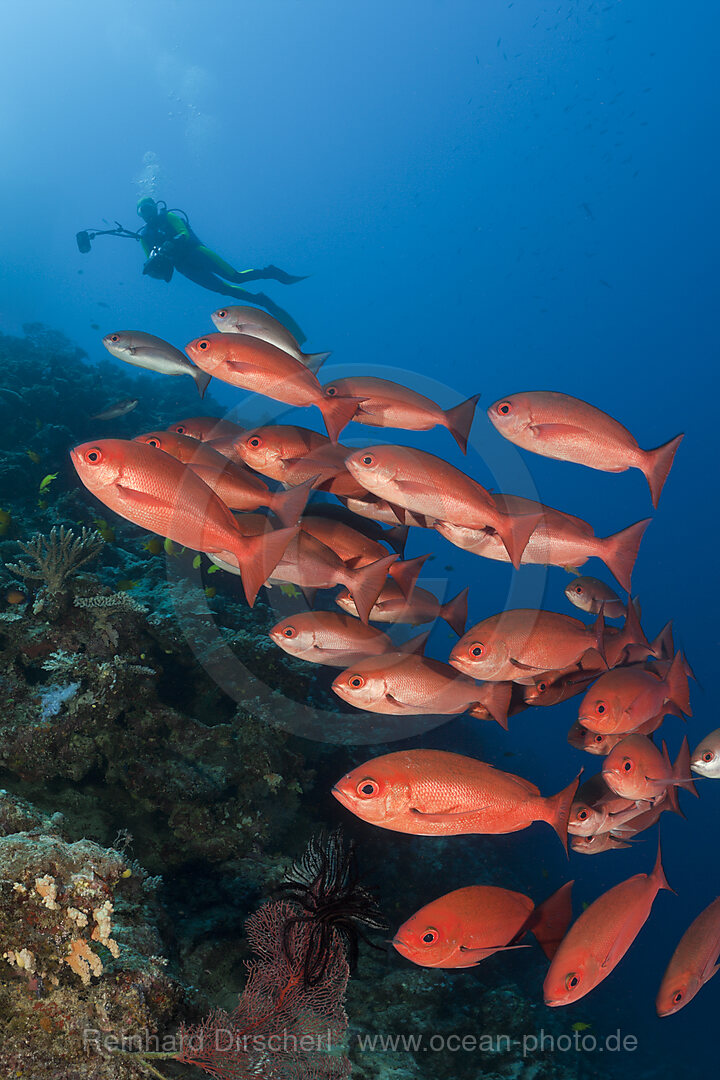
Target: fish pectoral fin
(141,498)
(448,815)
(556,429)
(522,667)
(476,956)
(240,366)
(707,973)
(618,948)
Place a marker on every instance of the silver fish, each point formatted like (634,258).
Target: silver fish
(120,408)
(705,758)
(147,351)
(238,319)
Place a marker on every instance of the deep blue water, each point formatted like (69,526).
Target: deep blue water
(494,196)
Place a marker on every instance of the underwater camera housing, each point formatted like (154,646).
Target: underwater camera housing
(158,266)
(83,241)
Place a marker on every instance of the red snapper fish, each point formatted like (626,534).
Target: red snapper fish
(311,565)
(239,319)
(238,488)
(636,769)
(155,491)
(597,809)
(357,550)
(402,684)
(393,606)
(600,937)
(329,637)
(388,404)
(693,963)
(462,928)
(293,455)
(558,539)
(520,644)
(437,793)
(426,485)
(568,429)
(205,428)
(625,698)
(262,368)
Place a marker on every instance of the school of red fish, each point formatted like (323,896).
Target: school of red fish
(201,484)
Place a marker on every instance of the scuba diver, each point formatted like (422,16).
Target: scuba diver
(170,244)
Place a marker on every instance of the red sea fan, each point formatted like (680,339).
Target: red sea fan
(282,1029)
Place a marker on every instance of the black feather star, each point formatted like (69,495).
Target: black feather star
(334,907)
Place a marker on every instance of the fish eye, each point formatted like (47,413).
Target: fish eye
(579,589)
(255,442)
(114,337)
(708,755)
(331,390)
(571,981)
(180,428)
(203,345)
(430,936)
(222,314)
(368,459)
(627,765)
(356,681)
(541,687)
(289,631)
(600,707)
(367,788)
(504,408)
(477,649)
(94,456)
(598,738)
(154,442)
(583,815)
(677,997)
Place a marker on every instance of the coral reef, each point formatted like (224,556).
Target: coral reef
(55,557)
(80,952)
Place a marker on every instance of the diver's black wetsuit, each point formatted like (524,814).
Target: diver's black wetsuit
(172,236)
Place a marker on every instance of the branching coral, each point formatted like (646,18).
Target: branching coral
(57,556)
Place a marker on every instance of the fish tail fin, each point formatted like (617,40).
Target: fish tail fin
(337,413)
(454,612)
(663,646)
(458,420)
(258,556)
(558,810)
(201,380)
(681,769)
(289,504)
(515,530)
(550,920)
(396,537)
(314,361)
(405,573)
(494,697)
(677,684)
(632,631)
(620,551)
(365,584)
(658,874)
(657,464)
